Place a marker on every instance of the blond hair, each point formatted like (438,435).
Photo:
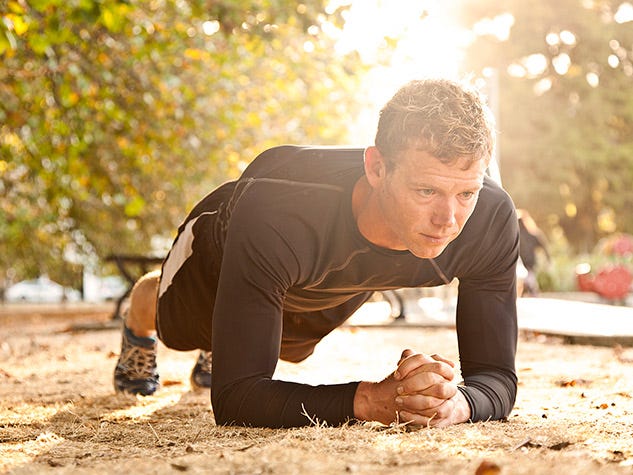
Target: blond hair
(448,120)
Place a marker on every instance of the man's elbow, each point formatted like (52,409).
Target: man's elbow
(491,395)
(238,408)
(225,411)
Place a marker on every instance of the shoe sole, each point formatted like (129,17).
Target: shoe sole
(195,386)
(132,392)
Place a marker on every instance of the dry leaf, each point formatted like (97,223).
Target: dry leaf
(574,382)
(5,374)
(488,468)
(180,467)
(560,445)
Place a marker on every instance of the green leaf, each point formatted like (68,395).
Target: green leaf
(134,207)
(15,7)
(20,24)
(113,17)
(4,43)
(38,43)
(42,5)
(89,145)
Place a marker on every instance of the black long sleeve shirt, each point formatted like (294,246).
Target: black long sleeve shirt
(290,265)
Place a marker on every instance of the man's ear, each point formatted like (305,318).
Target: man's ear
(375,166)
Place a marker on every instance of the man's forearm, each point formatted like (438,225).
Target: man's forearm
(264,402)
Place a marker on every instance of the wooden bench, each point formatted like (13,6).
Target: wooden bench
(143,264)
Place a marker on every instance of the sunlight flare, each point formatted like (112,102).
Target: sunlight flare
(400,41)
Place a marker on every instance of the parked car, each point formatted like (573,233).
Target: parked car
(112,287)
(41,290)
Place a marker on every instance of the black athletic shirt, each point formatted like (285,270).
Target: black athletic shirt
(283,250)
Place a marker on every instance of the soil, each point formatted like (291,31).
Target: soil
(59,413)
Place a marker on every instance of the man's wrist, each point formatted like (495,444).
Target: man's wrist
(463,401)
(362,401)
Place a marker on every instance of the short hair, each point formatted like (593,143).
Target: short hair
(448,120)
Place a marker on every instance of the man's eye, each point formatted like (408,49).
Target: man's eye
(426,192)
(468,194)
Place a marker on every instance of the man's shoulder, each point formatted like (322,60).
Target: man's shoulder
(492,226)
(296,161)
(293,150)
(494,190)
(493,201)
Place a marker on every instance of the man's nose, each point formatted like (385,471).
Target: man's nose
(444,213)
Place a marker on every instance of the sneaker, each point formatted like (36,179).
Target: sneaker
(135,372)
(201,374)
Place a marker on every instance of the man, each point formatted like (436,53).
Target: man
(266,266)
(531,239)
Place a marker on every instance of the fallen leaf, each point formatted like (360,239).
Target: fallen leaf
(488,468)
(245,448)
(574,382)
(560,446)
(618,456)
(5,374)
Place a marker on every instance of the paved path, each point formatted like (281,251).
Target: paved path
(576,321)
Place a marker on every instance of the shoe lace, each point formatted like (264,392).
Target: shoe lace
(204,360)
(140,362)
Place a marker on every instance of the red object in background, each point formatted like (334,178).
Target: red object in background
(612,282)
(584,277)
(585,282)
(623,245)
(616,245)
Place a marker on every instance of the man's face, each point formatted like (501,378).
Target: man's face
(425,203)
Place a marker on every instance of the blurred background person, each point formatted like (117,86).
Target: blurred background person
(531,240)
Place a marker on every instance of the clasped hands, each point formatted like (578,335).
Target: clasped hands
(421,391)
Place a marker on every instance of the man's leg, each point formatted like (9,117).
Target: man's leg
(201,373)
(136,372)
(141,315)
(302,331)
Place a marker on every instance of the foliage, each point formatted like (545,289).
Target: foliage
(117,115)
(566,112)
(559,272)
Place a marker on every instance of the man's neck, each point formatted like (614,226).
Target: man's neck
(360,196)
(368,215)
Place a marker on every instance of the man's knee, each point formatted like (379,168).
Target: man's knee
(295,352)
(143,297)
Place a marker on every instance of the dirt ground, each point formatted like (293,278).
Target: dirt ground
(59,414)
